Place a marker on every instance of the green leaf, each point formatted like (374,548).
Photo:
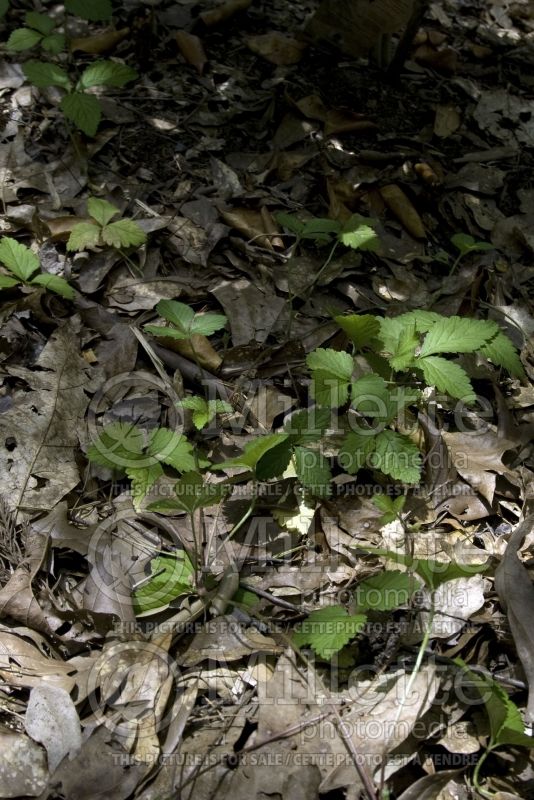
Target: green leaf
(18,258)
(43,74)
(6,281)
(83,110)
(328,629)
(117,447)
(123,233)
(179,314)
(193,493)
(161,330)
(331,374)
(385,592)
(458,335)
(94,11)
(362,329)
(467,244)
(83,235)
(253,451)
(403,355)
(23,39)
(391,508)
(308,424)
(355,450)
(54,283)
(171,576)
(101,211)
(358,233)
(4,6)
(275,461)
(424,320)
(173,449)
(447,377)
(397,455)
(313,471)
(54,43)
(142,479)
(40,22)
(202,414)
(106,73)
(289,221)
(208,323)
(501,351)
(370,396)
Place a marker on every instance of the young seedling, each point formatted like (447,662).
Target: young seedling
(184,323)
(204,411)
(466,244)
(24,267)
(101,232)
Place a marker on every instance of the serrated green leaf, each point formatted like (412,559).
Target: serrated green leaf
(172,575)
(93,11)
(23,39)
(101,211)
(359,234)
(54,283)
(331,373)
(313,471)
(447,377)
(289,221)
(385,592)
(118,446)
(253,451)
(390,507)
(6,281)
(172,448)
(143,478)
(160,330)
(457,335)
(424,320)
(193,493)
(43,74)
(397,455)
(328,629)
(370,396)
(18,258)
(308,424)
(320,229)
(123,233)
(335,362)
(179,314)
(362,329)
(54,43)
(201,412)
(106,73)
(207,323)
(40,22)
(501,351)
(83,235)
(403,355)
(467,244)
(274,462)
(355,450)
(83,110)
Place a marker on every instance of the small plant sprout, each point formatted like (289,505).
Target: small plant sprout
(204,411)
(466,244)
(101,232)
(184,323)
(24,268)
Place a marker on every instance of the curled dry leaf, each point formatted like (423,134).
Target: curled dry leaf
(400,205)
(192,49)
(99,43)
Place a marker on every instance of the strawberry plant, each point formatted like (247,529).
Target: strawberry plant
(184,323)
(101,232)
(24,269)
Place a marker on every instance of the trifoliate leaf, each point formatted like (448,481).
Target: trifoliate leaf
(370,396)
(362,329)
(43,74)
(355,450)
(204,411)
(274,462)
(6,281)
(18,258)
(54,283)
(101,211)
(208,323)
(385,592)
(39,22)
(289,221)
(83,235)
(119,446)
(173,449)
(142,479)
(458,335)
(23,39)
(319,229)
(308,424)
(179,314)
(253,451)
(467,244)
(54,43)
(123,233)
(501,351)
(192,493)
(390,507)
(359,234)
(106,73)
(95,11)
(397,455)
(84,110)
(171,575)
(313,471)
(447,377)
(328,629)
